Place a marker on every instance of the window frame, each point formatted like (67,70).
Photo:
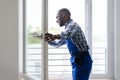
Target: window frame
(88,18)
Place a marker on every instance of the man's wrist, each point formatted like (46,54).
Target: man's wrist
(57,36)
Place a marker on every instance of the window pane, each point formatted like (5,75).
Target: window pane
(33,49)
(99,36)
(59,63)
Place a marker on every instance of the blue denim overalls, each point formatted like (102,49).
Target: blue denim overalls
(81,65)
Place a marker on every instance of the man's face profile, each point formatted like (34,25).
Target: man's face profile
(60,19)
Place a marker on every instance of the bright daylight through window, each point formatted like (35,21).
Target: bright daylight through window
(58,58)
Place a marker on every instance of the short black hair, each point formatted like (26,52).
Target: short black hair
(66,11)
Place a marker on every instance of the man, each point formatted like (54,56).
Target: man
(77,45)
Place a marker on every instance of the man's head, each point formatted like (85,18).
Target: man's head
(63,16)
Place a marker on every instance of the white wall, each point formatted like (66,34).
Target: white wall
(117,37)
(8,39)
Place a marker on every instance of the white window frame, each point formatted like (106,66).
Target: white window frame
(110,40)
(88,17)
(44,49)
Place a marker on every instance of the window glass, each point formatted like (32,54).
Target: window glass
(33,46)
(99,36)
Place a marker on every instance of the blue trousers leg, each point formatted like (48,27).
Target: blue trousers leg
(81,72)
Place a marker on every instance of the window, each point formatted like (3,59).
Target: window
(32,45)
(91,16)
(99,36)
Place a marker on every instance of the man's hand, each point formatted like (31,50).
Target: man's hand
(51,37)
(48,37)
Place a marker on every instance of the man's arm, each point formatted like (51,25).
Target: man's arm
(51,40)
(57,43)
